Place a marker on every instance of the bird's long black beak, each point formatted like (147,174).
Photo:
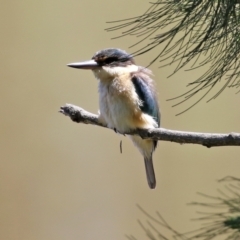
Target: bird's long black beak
(91,64)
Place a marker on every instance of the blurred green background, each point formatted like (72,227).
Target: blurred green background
(61,180)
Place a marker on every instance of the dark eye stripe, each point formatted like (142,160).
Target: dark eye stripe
(110,60)
(113,57)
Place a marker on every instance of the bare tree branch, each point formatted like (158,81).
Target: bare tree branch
(80,115)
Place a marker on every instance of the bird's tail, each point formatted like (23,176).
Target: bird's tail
(150,172)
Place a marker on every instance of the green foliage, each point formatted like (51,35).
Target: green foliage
(222,220)
(193,33)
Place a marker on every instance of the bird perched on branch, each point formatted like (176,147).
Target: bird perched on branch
(127,99)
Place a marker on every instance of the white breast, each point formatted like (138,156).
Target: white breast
(119,102)
(115,106)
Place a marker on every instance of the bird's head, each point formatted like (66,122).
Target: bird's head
(108,63)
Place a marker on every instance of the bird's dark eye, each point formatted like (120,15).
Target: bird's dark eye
(110,60)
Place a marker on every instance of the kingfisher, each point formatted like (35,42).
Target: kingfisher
(127,99)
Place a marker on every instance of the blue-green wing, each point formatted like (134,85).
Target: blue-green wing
(147,95)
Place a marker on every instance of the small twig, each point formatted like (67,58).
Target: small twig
(121,146)
(80,115)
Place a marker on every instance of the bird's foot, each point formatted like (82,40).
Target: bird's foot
(116,131)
